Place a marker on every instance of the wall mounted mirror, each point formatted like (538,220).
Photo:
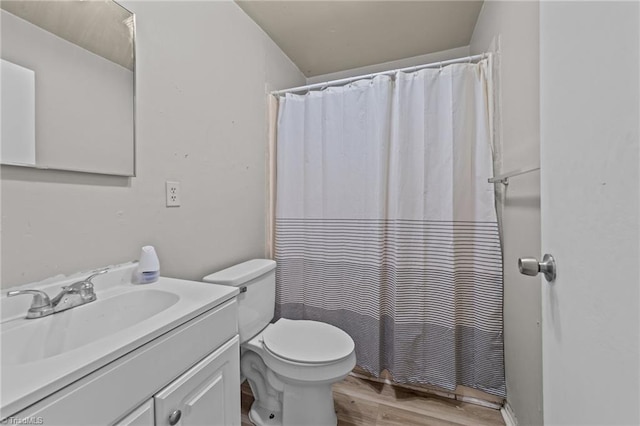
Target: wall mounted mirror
(68,73)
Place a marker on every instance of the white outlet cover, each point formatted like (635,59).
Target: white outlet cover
(173,194)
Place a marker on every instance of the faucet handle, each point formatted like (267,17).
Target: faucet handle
(85,287)
(40,298)
(90,277)
(40,305)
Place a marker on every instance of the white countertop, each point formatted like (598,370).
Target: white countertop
(24,383)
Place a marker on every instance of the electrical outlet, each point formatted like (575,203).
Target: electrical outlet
(173,194)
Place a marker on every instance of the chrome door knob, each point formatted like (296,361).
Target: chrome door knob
(531,266)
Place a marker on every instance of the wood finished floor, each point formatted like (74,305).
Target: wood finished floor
(361,402)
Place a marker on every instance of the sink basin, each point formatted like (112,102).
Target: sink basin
(42,338)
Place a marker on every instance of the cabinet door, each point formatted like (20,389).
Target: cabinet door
(207,394)
(141,416)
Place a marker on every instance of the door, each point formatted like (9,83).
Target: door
(589,78)
(207,394)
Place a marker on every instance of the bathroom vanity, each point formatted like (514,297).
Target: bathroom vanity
(154,354)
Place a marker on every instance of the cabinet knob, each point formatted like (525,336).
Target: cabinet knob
(174,417)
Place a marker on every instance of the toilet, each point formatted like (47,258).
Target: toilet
(290,364)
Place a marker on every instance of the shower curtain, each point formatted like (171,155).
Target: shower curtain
(385,224)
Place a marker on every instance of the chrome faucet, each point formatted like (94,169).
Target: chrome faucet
(76,294)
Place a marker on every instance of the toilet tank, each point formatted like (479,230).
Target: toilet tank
(257,299)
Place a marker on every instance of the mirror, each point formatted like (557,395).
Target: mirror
(68,85)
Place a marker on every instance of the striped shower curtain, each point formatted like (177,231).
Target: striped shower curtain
(385,224)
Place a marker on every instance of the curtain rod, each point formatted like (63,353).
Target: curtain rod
(391,72)
(504,178)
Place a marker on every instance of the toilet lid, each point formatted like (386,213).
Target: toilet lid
(307,341)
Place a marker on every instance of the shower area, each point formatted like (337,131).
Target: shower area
(384,223)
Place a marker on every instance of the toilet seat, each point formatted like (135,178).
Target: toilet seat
(307,342)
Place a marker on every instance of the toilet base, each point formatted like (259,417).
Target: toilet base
(302,406)
(263,417)
(305,405)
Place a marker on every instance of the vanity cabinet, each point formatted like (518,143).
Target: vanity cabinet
(194,368)
(207,394)
(141,416)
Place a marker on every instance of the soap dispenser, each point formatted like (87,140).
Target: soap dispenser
(148,267)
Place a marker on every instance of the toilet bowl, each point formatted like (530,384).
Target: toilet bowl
(289,364)
(300,360)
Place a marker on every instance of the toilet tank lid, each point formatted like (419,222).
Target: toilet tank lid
(241,273)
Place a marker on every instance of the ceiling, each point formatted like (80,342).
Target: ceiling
(322,37)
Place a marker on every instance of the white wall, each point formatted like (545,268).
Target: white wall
(590,146)
(203,69)
(512,28)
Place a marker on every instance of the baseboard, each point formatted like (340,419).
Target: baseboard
(508,415)
(432,391)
